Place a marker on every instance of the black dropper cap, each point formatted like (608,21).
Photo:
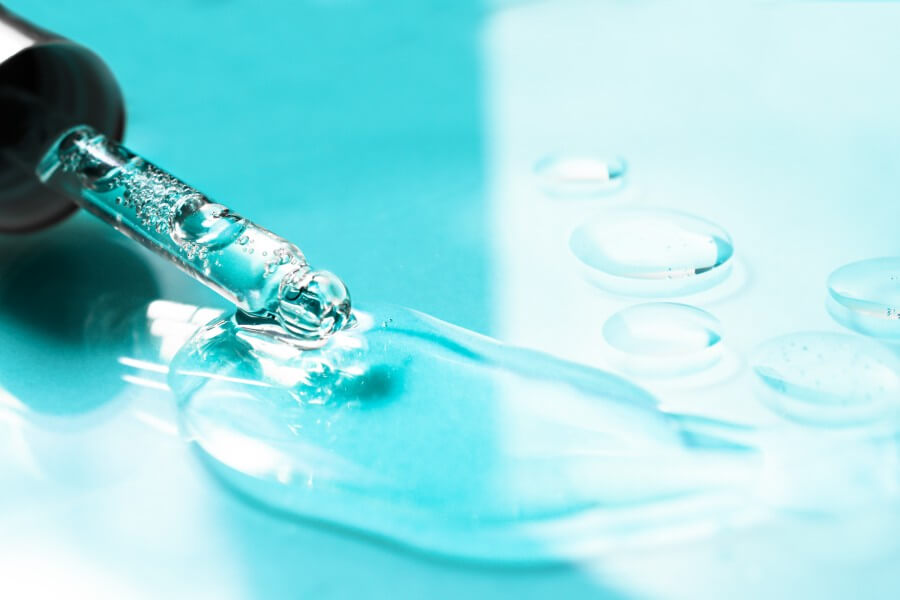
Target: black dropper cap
(47,85)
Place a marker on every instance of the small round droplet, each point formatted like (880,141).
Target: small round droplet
(830,379)
(664,339)
(652,252)
(313,304)
(865,296)
(561,175)
(197,221)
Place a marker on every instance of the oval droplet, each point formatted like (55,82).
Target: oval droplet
(830,379)
(865,296)
(580,175)
(652,252)
(198,221)
(664,339)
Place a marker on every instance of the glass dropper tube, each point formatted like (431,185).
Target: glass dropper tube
(263,274)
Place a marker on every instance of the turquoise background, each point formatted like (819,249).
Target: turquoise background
(347,127)
(369,133)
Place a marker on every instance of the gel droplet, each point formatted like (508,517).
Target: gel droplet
(198,221)
(451,441)
(652,252)
(580,175)
(313,304)
(865,296)
(828,378)
(663,339)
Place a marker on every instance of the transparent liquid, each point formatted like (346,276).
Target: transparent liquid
(652,252)
(663,339)
(865,296)
(839,395)
(829,379)
(441,439)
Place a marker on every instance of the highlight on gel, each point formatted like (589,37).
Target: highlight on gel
(569,175)
(261,273)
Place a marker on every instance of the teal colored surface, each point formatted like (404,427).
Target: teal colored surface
(393,143)
(345,127)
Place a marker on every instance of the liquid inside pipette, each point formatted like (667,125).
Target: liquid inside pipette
(263,274)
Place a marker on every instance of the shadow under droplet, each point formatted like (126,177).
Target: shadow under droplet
(68,300)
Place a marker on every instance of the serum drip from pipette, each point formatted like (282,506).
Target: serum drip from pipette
(261,273)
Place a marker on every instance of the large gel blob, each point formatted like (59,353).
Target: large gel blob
(438,438)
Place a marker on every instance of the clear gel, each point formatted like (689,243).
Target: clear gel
(438,438)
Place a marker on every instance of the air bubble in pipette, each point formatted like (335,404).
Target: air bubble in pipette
(261,273)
